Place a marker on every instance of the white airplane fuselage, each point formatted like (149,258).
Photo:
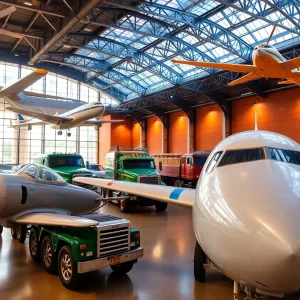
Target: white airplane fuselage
(247,215)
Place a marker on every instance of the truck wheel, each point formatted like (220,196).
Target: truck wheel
(34,247)
(48,255)
(125,205)
(177,183)
(67,268)
(13,233)
(199,261)
(161,206)
(1,229)
(122,268)
(21,231)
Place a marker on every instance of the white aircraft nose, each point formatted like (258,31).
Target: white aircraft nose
(276,252)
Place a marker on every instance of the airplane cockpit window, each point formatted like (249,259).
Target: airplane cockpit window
(288,156)
(213,162)
(30,171)
(46,174)
(240,156)
(256,47)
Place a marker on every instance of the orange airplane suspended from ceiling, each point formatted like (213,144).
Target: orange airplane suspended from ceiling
(267,63)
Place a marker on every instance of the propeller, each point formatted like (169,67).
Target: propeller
(7,11)
(271,35)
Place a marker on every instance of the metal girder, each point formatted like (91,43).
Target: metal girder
(142,61)
(99,67)
(87,9)
(186,107)
(256,88)
(67,72)
(262,9)
(159,113)
(47,11)
(202,28)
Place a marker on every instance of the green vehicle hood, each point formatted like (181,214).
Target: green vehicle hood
(71,170)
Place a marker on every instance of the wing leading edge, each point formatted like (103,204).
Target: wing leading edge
(175,195)
(55,220)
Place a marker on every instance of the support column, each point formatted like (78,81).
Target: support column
(144,133)
(165,134)
(227,124)
(191,131)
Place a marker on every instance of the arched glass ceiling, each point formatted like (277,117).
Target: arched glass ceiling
(133,54)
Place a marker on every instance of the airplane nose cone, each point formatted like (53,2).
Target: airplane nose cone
(276,252)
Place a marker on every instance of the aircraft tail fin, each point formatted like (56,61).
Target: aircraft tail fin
(20,118)
(23,83)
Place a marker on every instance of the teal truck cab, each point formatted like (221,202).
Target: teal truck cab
(67,165)
(72,251)
(133,165)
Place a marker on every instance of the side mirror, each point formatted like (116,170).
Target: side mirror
(87,164)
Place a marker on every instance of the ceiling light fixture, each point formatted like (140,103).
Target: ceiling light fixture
(28,3)
(87,29)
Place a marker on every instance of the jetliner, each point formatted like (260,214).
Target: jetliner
(267,63)
(246,211)
(82,115)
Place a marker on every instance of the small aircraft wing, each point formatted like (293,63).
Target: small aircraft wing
(176,195)
(23,83)
(100,122)
(55,220)
(291,64)
(230,67)
(52,119)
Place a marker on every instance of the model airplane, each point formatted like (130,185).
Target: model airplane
(267,63)
(246,211)
(78,116)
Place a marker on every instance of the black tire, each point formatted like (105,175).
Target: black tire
(48,256)
(123,268)
(161,206)
(125,205)
(13,232)
(1,229)
(66,262)
(199,261)
(21,231)
(177,183)
(34,245)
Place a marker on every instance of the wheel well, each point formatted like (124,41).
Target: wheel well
(60,244)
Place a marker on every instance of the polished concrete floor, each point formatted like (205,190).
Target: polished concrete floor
(165,272)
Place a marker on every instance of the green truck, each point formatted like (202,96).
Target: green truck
(134,165)
(71,251)
(67,165)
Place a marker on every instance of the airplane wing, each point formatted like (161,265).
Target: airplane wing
(23,83)
(229,67)
(100,122)
(176,195)
(291,64)
(55,220)
(52,119)
(244,79)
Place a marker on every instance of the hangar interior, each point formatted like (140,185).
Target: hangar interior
(118,53)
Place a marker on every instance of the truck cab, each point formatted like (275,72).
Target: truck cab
(134,165)
(192,164)
(68,165)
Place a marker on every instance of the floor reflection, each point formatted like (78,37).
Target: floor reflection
(165,271)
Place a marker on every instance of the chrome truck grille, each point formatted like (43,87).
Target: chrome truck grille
(113,240)
(87,186)
(149,179)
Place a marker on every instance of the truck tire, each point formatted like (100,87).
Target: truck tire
(34,245)
(13,233)
(125,205)
(178,183)
(161,206)
(1,229)
(122,268)
(48,255)
(199,261)
(67,268)
(21,232)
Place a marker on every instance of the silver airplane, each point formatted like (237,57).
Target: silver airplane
(37,195)
(246,212)
(67,115)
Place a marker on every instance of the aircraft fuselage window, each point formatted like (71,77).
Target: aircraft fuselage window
(288,156)
(240,156)
(213,161)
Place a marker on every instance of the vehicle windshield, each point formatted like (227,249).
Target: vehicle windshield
(200,160)
(96,168)
(65,161)
(139,164)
